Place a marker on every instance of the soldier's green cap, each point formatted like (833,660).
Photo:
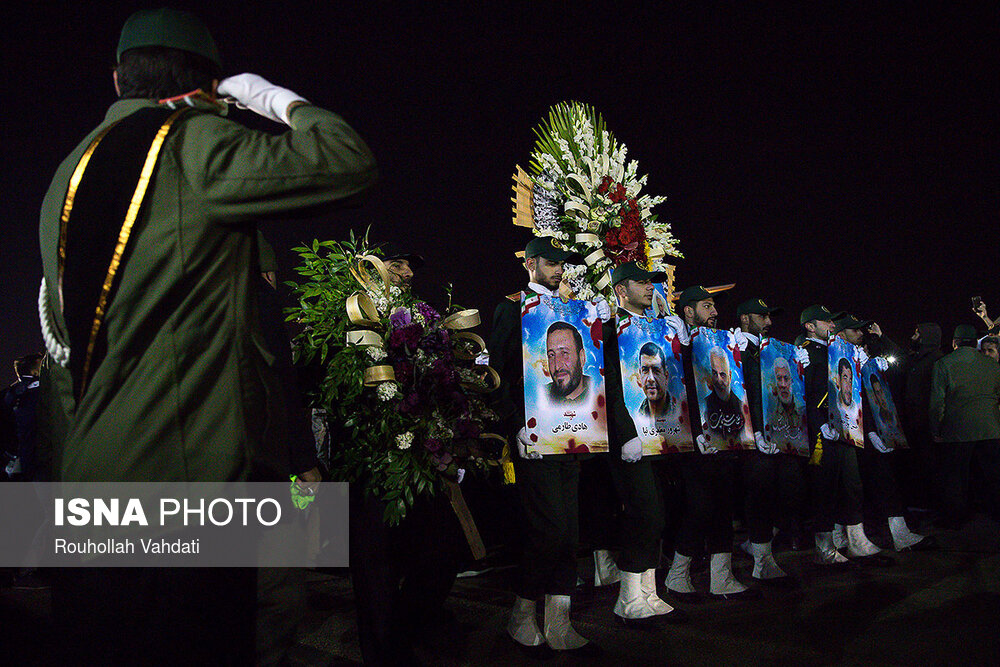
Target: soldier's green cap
(171,28)
(693,294)
(551,249)
(755,307)
(634,271)
(392,252)
(849,322)
(965,332)
(818,312)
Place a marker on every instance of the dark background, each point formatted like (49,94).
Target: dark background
(831,155)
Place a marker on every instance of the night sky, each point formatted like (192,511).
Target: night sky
(840,156)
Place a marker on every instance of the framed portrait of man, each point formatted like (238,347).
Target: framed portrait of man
(783,398)
(563,357)
(883,409)
(653,384)
(722,400)
(844,391)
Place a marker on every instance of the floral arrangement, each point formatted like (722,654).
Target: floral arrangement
(583,193)
(402,393)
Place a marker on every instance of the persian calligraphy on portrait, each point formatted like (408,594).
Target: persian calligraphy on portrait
(718,378)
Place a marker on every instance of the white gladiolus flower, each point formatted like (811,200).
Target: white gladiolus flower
(376,353)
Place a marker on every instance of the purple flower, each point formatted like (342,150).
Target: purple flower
(400,318)
(428,312)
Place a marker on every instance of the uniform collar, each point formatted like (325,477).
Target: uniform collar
(817,340)
(752,338)
(541,289)
(633,314)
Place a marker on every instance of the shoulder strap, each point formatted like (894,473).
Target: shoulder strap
(103,202)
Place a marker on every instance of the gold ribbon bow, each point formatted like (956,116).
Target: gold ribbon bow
(361,312)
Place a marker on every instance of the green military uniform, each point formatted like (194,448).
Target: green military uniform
(965,418)
(180,393)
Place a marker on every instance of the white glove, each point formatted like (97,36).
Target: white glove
(603,308)
(523,443)
(741,339)
(862,356)
(704,447)
(259,95)
(632,450)
(877,442)
(828,432)
(882,364)
(677,324)
(763,446)
(802,356)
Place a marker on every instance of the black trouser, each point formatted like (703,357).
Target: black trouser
(600,504)
(642,520)
(707,524)
(878,477)
(836,487)
(957,458)
(774,494)
(402,574)
(669,477)
(548,491)
(169,616)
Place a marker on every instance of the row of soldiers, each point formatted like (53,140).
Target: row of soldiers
(776,484)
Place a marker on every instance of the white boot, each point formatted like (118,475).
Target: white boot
(858,544)
(839,536)
(679,576)
(721,579)
(648,583)
(558,632)
(764,566)
(606,572)
(522,626)
(826,554)
(902,538)
(631,602)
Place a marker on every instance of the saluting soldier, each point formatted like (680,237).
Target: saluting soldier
(548,485)
(149,311)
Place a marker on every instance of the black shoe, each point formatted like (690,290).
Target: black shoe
(748,594)
(539,652)
(638,623)
(588,650)
(689,598)
(875,560)
(674,616)
(929,543)
(778,582)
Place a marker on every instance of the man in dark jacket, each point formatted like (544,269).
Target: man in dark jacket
(965,418)
(920,478)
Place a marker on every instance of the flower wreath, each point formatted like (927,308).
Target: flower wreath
(398,381)
(582,192)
